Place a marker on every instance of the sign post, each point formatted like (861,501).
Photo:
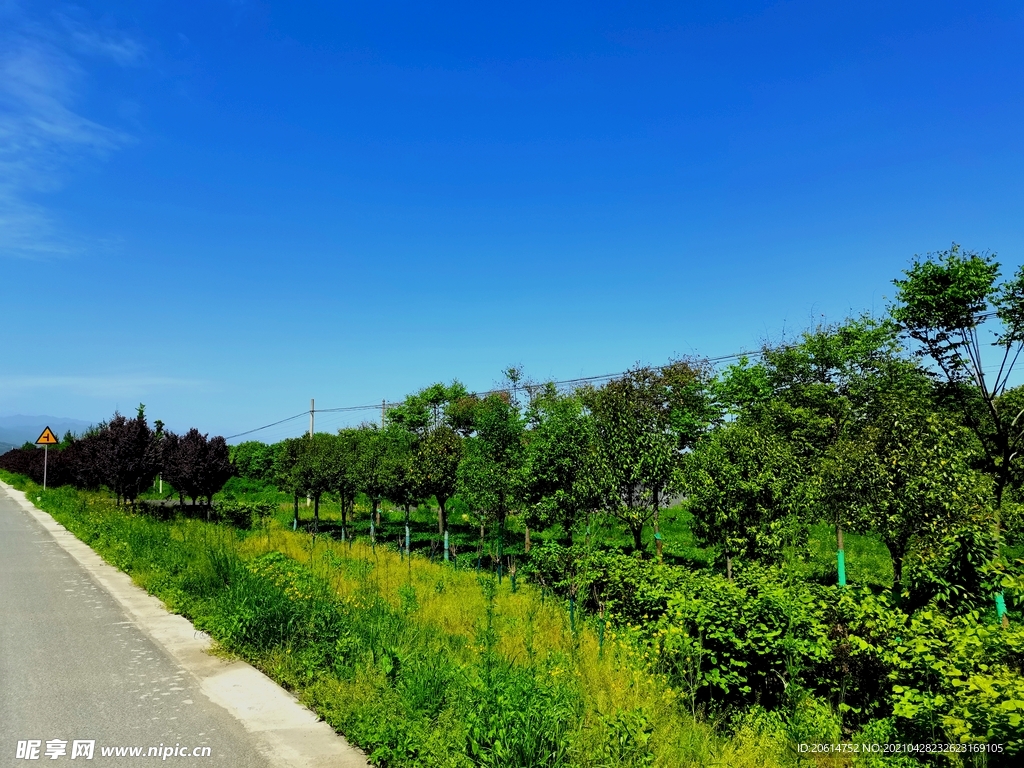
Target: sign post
(46,440)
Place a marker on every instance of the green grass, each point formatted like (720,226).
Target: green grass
(867,560)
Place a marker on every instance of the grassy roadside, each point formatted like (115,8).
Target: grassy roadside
(417,663)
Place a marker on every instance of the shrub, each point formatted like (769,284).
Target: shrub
(960,676)
(742,641)
(626,586)
(245,514)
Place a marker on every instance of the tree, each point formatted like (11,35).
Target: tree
(347,477)
(737,482)
(943,304)
(84,455)
(814,390)
(490,475)
(560,481)
(171,468)
(217,467)
(195,465)
(435,416)
(436,466)
(402,486)
(643,424)
(318,468)
(373,471)
(286,471)
(427,409)
(821,389)
(461,414)
(253,459)
(907,476)
(127,455)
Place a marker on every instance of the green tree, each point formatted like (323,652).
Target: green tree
(401,480)
(287,455)
(372,470)
(822,385)
(821,389)
(437,472)
(317,469)
(943,304)
(738,482)
(427,409)
(439,416)
(490,475)
(347,477)
(254,459)
(643,422)
(560,482)
(907,476)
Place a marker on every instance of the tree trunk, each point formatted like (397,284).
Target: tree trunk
(480,549)
(638,536)
(376,511)
(657,530)
(526,541)
(840,556)
(501,544)
(728,567)
(295,519)
(896,552)
(344,509)
(442,522)
(408,546)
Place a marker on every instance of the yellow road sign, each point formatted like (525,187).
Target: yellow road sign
(47,438)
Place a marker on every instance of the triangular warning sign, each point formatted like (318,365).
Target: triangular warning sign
(47,438)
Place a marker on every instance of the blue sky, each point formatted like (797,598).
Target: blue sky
(222,209)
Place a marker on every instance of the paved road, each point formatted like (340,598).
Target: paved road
(74,665)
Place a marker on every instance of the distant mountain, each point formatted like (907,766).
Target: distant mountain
(5,447)
(16,430)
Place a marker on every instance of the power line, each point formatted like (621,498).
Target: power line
(561,383)
(267,426)
(980,317)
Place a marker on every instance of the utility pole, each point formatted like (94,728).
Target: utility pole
(383,407)
(312,410)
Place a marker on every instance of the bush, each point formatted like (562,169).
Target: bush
(245,514)
(959,676)
(733,642)
(626,586)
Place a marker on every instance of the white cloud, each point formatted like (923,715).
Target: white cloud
(129,385)
(42,137)
(109,43)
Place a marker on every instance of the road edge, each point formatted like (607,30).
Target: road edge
(287,733)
